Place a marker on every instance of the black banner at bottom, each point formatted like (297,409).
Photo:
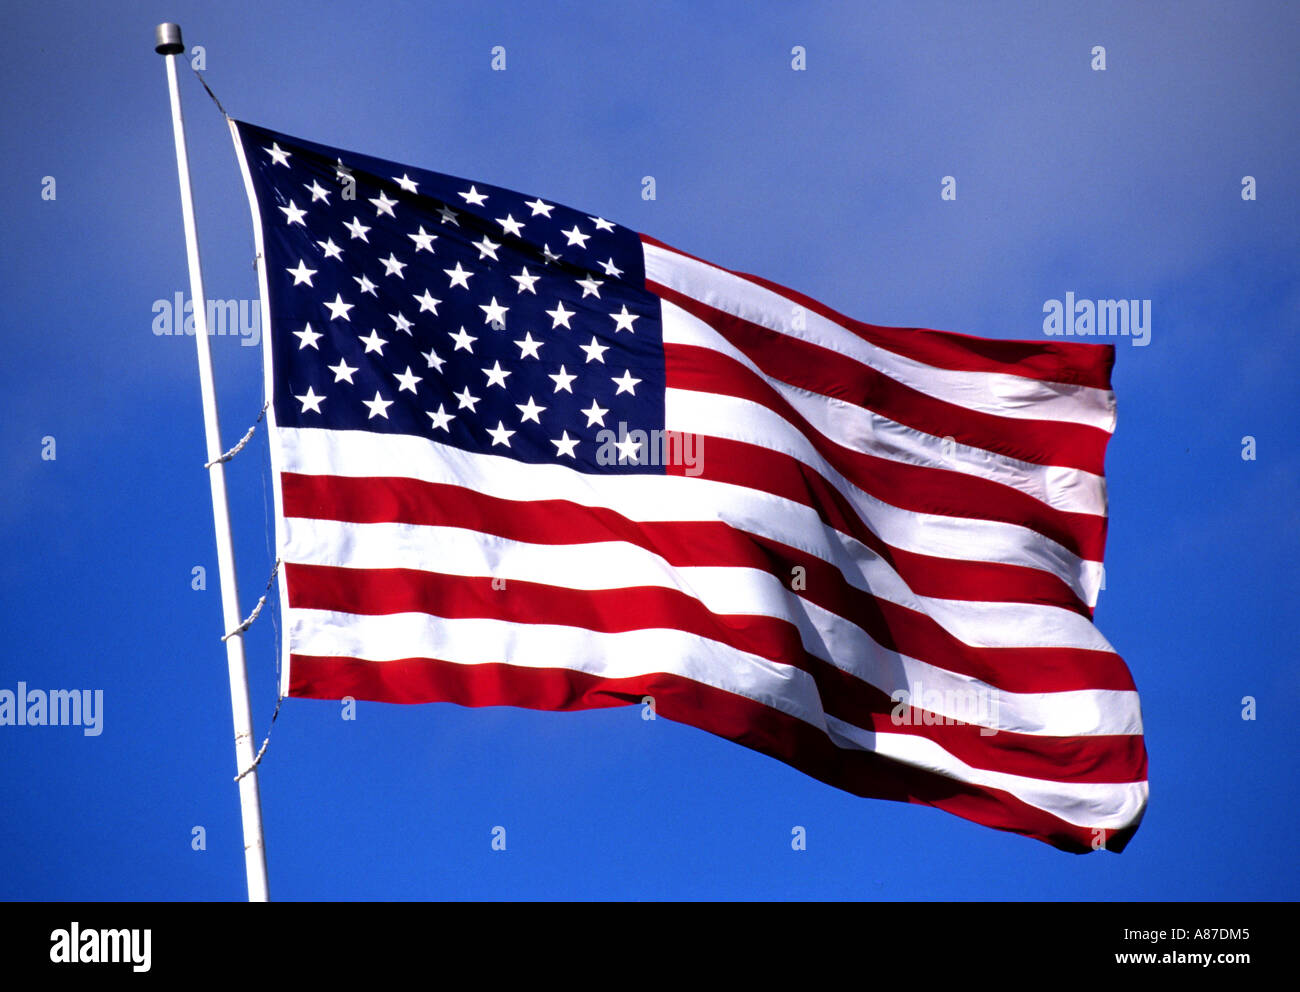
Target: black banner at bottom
(922,941)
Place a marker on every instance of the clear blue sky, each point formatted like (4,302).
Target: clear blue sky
(1117,183)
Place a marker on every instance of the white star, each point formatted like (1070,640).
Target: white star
(595,351)
(357,229)
(500,435)
(366,285)
(294,214)
(343,371)
(407,380)
(310,401)
(560,316)
(308,337)
(374,342)
(406,183)
(432,358)
(576,237)
(400,323)
(562,380)
(530,411)
(549,255)
(595,414)
(496,375)
(611,269)
(473,197)
(626,384)
(278,155)
(434,361)
(427,302)
(301,274)
(623,321)
(510,225)
(338,309)
(341,171)
(331,249)
(423,241)
(540,208)
(528,346)
(448,215)
(591,287)
(463,340)
(318,192)
(378,406)
(601,223)
(459,276)
(486,248)
(466,399)
(564,445)
(494,313)
(525,281)
(383,205)
(628,449)
(392,267)
(441,419)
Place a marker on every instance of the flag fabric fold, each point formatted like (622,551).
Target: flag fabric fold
(526,456)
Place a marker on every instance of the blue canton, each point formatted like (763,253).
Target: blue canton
(410,302)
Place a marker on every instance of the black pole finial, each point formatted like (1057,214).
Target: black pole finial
(167,39)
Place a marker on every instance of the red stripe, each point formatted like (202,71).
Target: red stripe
(724,714)
(909,631)
(401,500)
(384,592)
(916,488)
(1049,361)
(829,373)
(560,522)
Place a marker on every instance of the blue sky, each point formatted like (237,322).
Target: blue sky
(1117,183)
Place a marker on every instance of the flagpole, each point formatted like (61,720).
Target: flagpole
(167,38)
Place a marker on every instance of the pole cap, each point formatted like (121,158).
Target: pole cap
(167,39)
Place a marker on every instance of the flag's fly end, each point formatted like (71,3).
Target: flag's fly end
(167,39)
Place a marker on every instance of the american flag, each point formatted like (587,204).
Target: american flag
(526,456)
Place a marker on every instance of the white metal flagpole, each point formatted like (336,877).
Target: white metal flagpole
(167,38)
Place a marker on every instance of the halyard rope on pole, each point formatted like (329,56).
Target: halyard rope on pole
(210,93)
(248,436)
(257,759)
(248,621)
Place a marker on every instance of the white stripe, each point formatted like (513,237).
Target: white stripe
(723,591)
(721,415)
(1069,489)
(1110,806)
(647,652)
(1001,394)
(653,497)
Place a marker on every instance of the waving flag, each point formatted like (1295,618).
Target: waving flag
(525,456)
